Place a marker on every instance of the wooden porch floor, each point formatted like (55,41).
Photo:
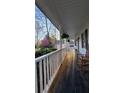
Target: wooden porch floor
(73,79)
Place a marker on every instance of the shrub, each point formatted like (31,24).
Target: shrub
(43,51)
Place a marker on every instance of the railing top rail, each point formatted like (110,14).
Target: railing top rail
(44,56)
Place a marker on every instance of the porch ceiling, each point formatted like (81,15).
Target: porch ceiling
(69,16)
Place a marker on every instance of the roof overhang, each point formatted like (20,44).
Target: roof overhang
(69,16)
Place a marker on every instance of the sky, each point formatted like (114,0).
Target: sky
(41,26)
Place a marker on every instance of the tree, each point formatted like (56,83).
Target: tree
(43,27)
(38,29)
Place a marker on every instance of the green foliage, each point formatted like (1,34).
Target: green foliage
(43,51)
(64,35)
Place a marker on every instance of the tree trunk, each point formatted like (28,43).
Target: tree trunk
(47,27)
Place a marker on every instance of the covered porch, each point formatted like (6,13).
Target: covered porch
(63,71)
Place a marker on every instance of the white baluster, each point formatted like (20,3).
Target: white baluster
(36,87)
(50,66)
(48,69)
(41,74)
(44,72)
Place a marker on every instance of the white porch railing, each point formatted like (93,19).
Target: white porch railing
(46,68)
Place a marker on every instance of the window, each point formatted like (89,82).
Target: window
(86,37)
(82,39)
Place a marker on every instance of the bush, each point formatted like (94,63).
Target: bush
(43,51)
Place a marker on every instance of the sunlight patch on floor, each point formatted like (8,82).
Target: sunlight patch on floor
(70,55)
